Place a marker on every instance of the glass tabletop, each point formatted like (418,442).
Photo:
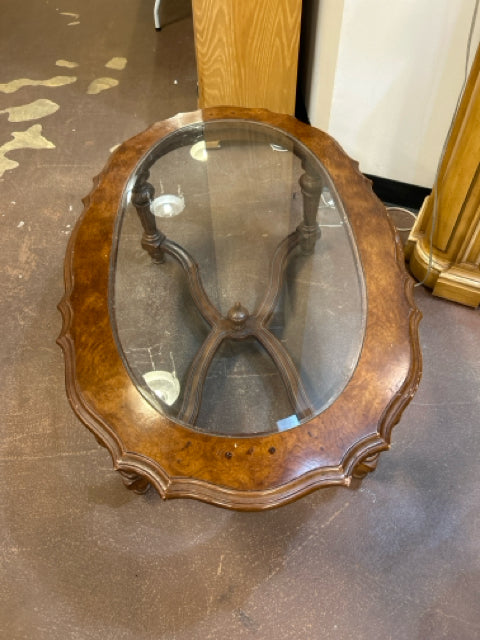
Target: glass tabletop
(236,291)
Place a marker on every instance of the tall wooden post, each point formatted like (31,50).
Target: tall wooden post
(453,271)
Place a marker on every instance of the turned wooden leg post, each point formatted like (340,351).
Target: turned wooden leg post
(311,186)
(142,196)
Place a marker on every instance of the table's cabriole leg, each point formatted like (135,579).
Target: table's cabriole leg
(311,186)
(134,482)
(367,465)
(152,238)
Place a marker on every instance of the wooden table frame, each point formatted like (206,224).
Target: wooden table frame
(245,472)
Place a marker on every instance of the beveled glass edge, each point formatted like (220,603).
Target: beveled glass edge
(199,128)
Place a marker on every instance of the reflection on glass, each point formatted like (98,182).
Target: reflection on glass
(250,318)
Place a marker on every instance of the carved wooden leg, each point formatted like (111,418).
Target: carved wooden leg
(296,392)
(311,185)
(134,482)
(239,325)
(142,196)
(197,374)
(367,465)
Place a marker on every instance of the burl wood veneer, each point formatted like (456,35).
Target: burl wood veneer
(165,447)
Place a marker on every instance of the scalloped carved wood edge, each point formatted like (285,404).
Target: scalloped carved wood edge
(140,471)
(393,412)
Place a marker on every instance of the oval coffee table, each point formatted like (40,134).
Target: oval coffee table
(239,325)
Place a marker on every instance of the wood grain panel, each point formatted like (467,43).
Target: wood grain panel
(247,52)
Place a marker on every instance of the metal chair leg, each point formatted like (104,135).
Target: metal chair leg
(156,14)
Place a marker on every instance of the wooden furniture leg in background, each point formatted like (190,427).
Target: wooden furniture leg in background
(247,52)
(455,265)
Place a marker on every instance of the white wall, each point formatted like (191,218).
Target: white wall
(383,77)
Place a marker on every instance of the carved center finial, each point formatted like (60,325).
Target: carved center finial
(238,315)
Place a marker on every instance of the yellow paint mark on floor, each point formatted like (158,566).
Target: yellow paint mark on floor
(31,111)
(15,85)
(66,63)
(30,139)
(118,64)
(101,84)
(75,17)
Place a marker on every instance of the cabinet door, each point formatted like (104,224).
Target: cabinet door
(247,52)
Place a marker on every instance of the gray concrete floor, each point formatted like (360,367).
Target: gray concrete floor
(81,557)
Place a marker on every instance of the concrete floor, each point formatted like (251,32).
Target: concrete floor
(81,557)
